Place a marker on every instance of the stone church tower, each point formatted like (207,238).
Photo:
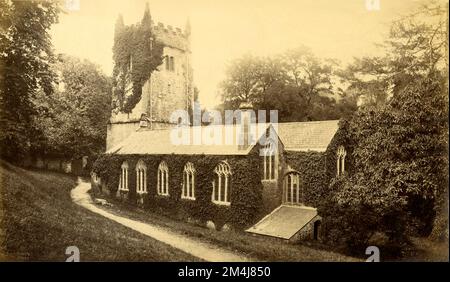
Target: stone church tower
(168,89)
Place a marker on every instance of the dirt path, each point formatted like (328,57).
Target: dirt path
(194,247)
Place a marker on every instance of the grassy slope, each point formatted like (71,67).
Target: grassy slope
(38,221)
(259,247)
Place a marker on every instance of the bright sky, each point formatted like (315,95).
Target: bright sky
(226,29)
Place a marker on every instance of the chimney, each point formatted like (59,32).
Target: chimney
(246,109)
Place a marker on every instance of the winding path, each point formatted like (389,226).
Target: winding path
(202,250)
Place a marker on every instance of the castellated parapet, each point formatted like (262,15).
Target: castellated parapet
(169,88)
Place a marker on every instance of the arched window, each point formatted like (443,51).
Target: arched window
(340,160)
(123,181)
(141,177)
(221,184)
(188,189)
(163,179)
(292,189)
(269,161)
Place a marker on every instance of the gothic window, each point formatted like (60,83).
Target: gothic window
(123,181)
(292,189)
(221,184)
(141,177)
(340,160)
(163,179)
(188,189)
(269,159)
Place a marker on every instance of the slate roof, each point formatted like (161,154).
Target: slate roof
(284,222)
(295,136)
(307,136)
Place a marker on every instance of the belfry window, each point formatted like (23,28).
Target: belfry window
(172,64)
(167,59)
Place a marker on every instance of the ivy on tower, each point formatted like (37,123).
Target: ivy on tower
(136,54)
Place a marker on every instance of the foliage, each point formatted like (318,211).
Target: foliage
(136,54)
(25,58)
(400,155)
(245,186)
(73,121)
(417,45)
(287,82)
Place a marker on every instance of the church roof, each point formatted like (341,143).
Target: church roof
(295,136)
(307,136)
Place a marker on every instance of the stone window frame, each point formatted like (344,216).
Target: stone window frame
(292,184)
(162,185)
(340,160)
(188,186)
(141,177)
(222,170)
(270,161)
(123,180)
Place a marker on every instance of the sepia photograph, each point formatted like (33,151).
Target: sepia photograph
(251,131)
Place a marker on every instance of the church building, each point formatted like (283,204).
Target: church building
(270,186)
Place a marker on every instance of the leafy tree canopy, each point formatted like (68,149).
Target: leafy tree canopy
(72,122)
(25,68)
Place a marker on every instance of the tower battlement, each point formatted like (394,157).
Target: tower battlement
(170,36)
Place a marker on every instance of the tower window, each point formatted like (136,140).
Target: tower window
(167,59)
(172,64)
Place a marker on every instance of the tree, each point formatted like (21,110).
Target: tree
(310,76)
(400,173)
(298,84)
(247,79)
(25,58)
(417,45)
(399,139)
(72,122)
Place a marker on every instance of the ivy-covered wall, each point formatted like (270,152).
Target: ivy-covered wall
(317,169)
(246,187)
(251,199)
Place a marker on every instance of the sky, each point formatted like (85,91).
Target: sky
(223,30)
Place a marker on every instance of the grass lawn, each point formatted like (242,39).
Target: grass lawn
(259,247)
(38,221)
